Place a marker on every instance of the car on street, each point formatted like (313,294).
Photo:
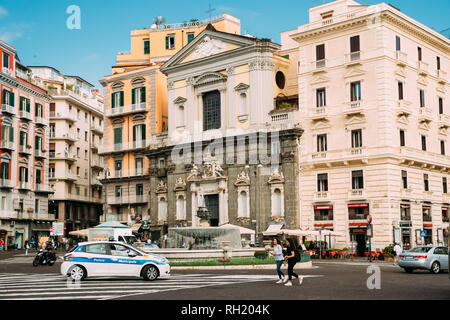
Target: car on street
(112,258)
(432,258)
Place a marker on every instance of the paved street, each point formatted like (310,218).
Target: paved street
(326,280)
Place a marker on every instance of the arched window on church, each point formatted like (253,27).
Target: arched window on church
(243,210)
(181,206)
(162,209)
(276,203)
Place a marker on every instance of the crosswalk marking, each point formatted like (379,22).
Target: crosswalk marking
(16,286)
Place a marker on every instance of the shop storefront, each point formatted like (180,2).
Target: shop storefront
(3,238)
(405,225)
(428,238)
(40,230)
(358,238)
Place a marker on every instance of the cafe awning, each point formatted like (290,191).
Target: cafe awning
(273,230)
(80,233)
(242,230)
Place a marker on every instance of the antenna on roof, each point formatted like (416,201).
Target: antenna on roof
(210,10)
(157,21)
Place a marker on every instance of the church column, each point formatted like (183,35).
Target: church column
(198,130)
(194,205)
(170,107)
(223,106)
(190,108)
(223,202)
(255,93)
(231,98)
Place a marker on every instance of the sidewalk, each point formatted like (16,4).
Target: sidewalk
(21,253)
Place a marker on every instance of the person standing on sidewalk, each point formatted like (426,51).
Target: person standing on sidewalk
(291,258)
(398,250)
(279,259)
(1,245)
(26,246)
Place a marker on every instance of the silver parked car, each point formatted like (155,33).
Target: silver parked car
(433,258)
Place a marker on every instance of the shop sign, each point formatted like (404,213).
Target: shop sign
(358,205)
(323,207)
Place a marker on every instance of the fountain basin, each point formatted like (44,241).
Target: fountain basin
(204,238)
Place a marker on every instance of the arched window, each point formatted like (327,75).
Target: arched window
(181,116)
(181,205)
(276,203)
(243,104)
(243,204)
(162,209)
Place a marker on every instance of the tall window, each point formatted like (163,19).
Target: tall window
(190,36)
(181,204)
(354,48)
(404,179)
(322,182)
(117,99)
(180,116)
(397,43)
(140,190)
(118,138)
(118,168)
(438,63)
(321,97)
(170,41)
(402,138)
(38,176)
(139,135)
(357,138)
(138,95)
(36,205)
(357,179)
(8,98)
(422,98)
(23,174)
(24,104)
(320,52)
(400,90)
(139,166)
(425,182)
(146,46)
(441,105)
(4,170)
(424,143)
(38,143)
(444,185)
(442,142)
(355,91)
(321,143)
(419,53)
(5,60)
(118,192)
(38,110)
(211,110)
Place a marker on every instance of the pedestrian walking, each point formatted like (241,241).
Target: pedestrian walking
(398,250)
(26,247)
(292,258)
(1,245)
(279,259)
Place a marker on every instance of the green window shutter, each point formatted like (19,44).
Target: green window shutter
(11,99)
(121,98)
(167,42)
(143,94)
(190,37)
(11,134)
(38,176)
(36,143)
(134,133)
(113,101)
(21,103)
(143,132)
(23,138)
(28,105)
(4,95)
(133,96)
(36,107)
(117,135)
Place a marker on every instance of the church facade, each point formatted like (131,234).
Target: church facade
(231,146)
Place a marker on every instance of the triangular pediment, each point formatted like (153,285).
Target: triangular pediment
(403,119)
(356,72)
(422,80)
(355,120)
(401,72)
(207,44)
(424,125)
(321,125)
(319,79)
(179,100)
(443,131)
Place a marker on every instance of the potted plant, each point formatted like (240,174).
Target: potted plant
(388,253)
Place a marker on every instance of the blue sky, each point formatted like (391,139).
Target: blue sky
(38,28)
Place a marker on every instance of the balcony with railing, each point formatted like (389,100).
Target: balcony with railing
(354,107)
(444,120)
(422,67)
(68,156)
(317,156)
(353,58)
(357,194)
(126,110)
(358,216)
(404,107)
(7,145)
(40,187)
(25,149)
(97,128)
(426,217)
(6,108)
(40,120)
(405,218)
(319,66)
(321,196)
(63,116)
(323,217)
(24,185)
(139,144)
(5,183)
(401,58)
(132,199)
(97,164)
(357,152)
(318,113)
(425,114)
(442,76)
(8,71)
(94,145)
(70,137)
(25,115)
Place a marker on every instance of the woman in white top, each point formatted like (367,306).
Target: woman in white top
(279,259)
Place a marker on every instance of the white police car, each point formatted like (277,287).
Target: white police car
(113,258)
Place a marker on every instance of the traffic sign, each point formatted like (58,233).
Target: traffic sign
(423,233)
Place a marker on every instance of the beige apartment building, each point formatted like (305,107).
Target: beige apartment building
(374,105)
(23,153)
(136,108)
(76,134)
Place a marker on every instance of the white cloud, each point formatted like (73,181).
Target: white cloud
(3,12)
(9,36)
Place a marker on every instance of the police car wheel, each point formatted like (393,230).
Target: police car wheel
(150,273)
(77,273)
